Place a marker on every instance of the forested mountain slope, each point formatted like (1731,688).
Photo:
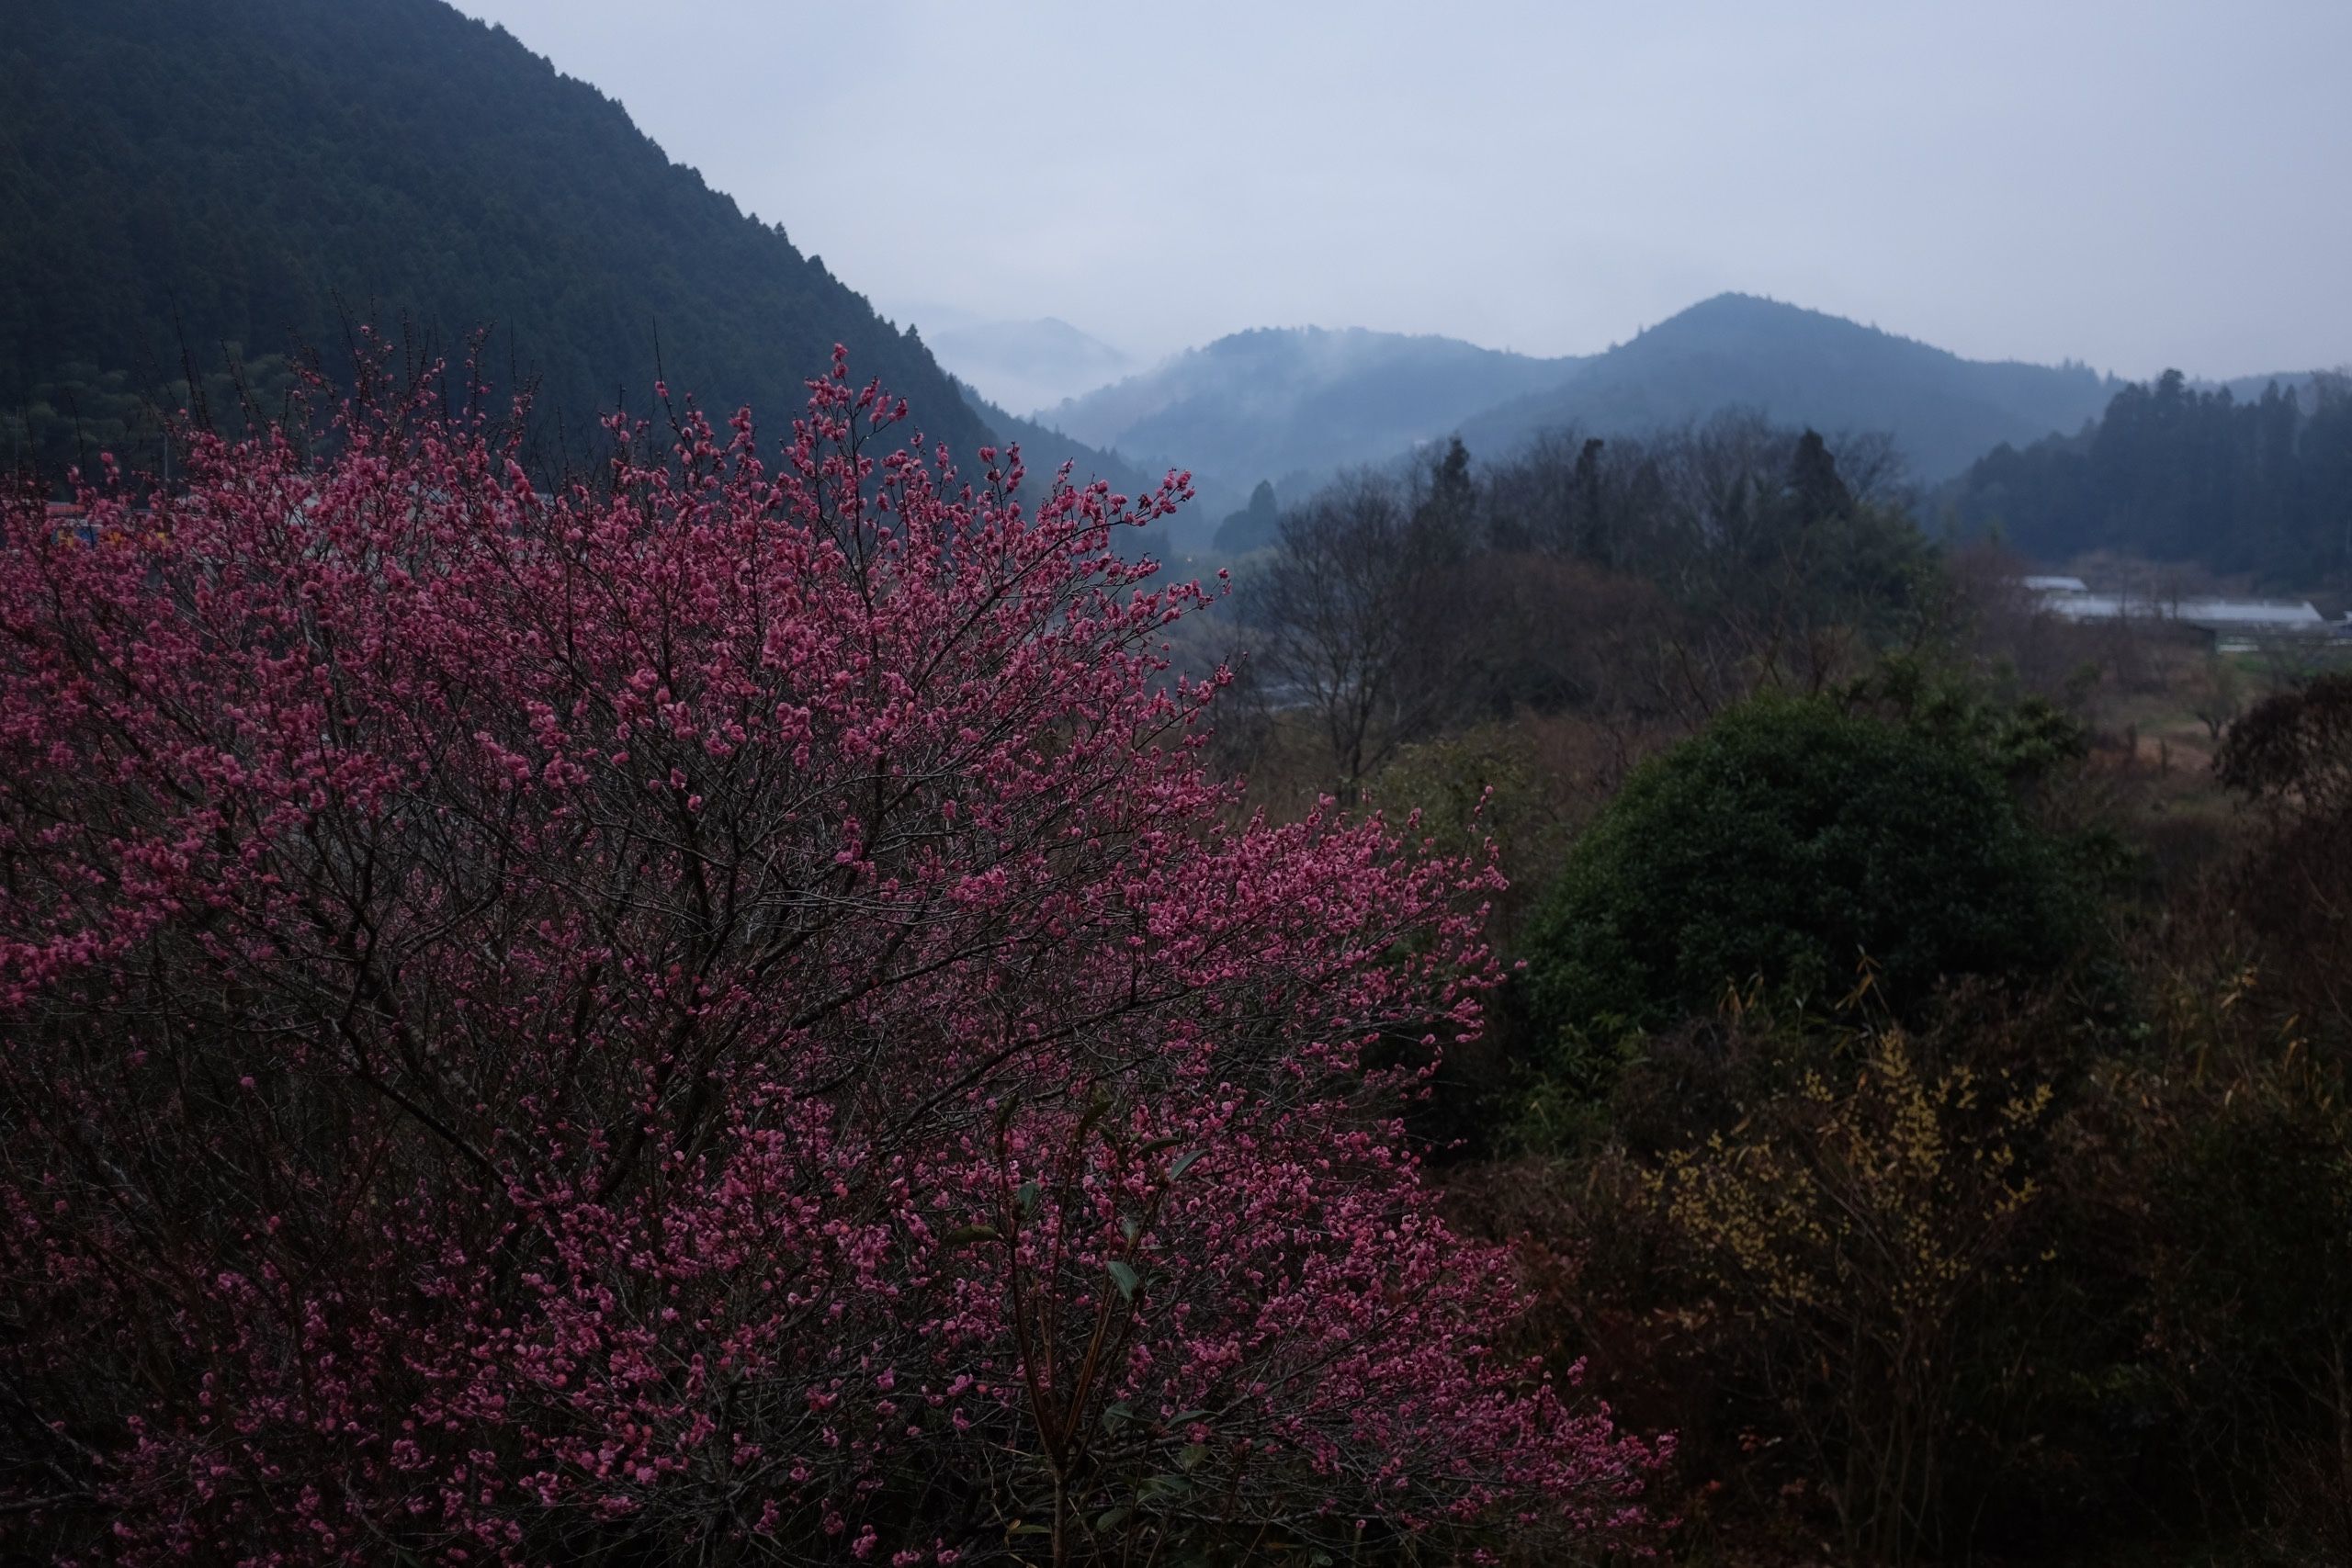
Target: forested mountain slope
(185,174)
(1802,367)
(2258,485)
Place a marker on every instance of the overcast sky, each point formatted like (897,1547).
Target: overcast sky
(2134,184)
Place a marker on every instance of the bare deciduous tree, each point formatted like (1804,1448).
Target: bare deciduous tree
(1342,617)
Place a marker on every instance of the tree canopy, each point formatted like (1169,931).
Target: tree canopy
(1790,843)
(2260,486)
(717,1012)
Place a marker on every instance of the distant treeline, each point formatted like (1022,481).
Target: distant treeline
(2261,487)
(1628,575)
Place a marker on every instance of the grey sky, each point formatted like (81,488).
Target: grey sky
(2134,184)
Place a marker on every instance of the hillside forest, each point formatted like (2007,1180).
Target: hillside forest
(2259,487)
(208,196)
(639,928)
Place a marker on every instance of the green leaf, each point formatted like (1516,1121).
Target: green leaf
(1028,1199)
(1111,1519)
(1184,1163)
(962,1234)
(1122,1277)
(1191,1455)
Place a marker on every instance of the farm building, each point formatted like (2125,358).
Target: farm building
(2229,621)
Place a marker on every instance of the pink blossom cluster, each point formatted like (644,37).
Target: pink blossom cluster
(714,1009)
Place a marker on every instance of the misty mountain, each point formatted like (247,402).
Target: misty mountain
(1026,365)
(1293,404)
(182,175)
(1802,368)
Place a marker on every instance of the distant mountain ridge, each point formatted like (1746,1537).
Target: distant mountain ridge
(1806,368)
(176,174)
(1293,404)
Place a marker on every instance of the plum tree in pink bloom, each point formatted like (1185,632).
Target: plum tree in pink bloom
(713,1014)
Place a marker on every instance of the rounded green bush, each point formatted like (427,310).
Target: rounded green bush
(1788,843)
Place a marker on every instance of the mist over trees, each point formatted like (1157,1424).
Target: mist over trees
(1254,526)
(2260,486)
(1295,406)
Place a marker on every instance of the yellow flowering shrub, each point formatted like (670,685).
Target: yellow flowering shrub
(1846,1232)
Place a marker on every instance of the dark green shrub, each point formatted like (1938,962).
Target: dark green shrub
(1788,845)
